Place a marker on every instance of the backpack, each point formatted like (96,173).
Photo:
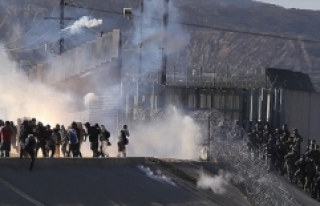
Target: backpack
(124,138)
(93,134)
(24,134)
(73,137)
(29,144)
(107,134)
(58,140)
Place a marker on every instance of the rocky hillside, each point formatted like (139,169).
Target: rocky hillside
(243,50)
(208,47)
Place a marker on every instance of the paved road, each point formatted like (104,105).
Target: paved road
(110,181)
(93,182)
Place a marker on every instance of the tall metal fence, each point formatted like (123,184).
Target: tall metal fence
(218,77)
(79,60)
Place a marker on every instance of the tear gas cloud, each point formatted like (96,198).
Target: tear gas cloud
(22,98)
(218,183)
(89,99)
(83,22)
(149,35)
(171,137)
(157,175)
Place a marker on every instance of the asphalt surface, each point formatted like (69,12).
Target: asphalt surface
(112,181)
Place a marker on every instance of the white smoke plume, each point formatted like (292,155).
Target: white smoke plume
(171,137)
(22,98)
(218,183)
(89,99)
(157,175)
(150,36)
(83,22)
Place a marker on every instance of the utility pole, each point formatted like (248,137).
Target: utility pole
(62,19)
(209,138)
(164,41)
(141,39)
(62,26)
(140,70)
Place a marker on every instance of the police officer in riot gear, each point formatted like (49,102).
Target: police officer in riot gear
(281,152)
(271,154)
(291,158)
(301,171)
(285,132)
(253,143)
(297,139)
(316,193)
(310,174)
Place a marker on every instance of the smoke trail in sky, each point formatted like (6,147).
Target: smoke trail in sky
(83,22)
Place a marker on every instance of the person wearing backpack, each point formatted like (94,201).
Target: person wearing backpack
(40,136)
(30,147)
(93,134)
(58,140)
(123,141)
(104,139)
(81,135)
(73,142)
(25,130)
(50,141)
(54,141)
(13,135)
(64,141)
(74,126)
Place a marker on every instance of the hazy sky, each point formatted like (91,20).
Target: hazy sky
(302,4)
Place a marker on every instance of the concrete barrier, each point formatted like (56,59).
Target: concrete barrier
(48,162)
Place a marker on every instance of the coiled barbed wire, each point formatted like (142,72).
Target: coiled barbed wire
(262,187)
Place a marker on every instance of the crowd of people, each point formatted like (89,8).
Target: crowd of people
(281,149)
(283,153)
(27,137)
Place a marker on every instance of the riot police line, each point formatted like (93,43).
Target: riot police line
(27,137)
(283,154)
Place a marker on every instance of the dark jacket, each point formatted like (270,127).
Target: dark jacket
(30,144)
(25,131)
(104,136)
